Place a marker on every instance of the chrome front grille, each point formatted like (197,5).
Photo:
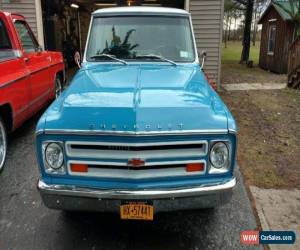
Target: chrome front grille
(111,159)
(112,150)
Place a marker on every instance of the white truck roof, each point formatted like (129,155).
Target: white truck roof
(140,10)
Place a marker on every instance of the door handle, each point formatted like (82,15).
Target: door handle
(26,59)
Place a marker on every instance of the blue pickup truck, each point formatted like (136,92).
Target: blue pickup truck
(139,130)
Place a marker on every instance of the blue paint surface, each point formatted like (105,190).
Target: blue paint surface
(148,96)
(138,97)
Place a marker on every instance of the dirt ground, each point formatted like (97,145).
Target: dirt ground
(269,136)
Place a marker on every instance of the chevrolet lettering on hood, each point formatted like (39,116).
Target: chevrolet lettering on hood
(135,127)
(139,128)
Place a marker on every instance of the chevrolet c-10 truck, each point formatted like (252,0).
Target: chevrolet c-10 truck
(139,130)
(30,77)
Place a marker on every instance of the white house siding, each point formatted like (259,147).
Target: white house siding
(207,16)
(23,7)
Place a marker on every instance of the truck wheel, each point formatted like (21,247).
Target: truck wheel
(58,87)
(3,143)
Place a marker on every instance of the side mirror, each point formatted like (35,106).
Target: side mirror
(203,56)
(77,59)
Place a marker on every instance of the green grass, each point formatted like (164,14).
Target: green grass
(233,72)
(233,52)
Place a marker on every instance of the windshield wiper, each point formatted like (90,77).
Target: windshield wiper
(108,56)
(156,57)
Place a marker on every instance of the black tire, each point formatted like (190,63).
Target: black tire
(58,87)
(3,144)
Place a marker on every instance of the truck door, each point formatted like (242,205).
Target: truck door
(14,77)
(37,62)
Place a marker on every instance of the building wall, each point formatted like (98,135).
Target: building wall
(24,7)
(207,16)
(278,62)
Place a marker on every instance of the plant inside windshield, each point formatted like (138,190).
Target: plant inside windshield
(143,38)
(122,49)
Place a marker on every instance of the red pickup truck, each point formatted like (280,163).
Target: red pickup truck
(29,76)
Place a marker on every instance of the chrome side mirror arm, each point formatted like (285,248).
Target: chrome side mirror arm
(77,59)
(203,56)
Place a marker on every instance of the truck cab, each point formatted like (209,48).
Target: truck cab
(139,130)
(30,76)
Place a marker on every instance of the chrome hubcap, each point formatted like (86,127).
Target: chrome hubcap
(57,88)
(2,146)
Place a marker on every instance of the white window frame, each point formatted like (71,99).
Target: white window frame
(272,28)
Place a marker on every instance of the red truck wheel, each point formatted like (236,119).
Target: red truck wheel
(3,144)
(58,87)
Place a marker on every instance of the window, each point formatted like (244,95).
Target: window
(28,42)
(271,42)
(6,51)
(129,37)
(4,39)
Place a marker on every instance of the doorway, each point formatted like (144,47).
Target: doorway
(66,22)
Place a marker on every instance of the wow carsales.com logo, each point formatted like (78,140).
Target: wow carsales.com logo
(267,237)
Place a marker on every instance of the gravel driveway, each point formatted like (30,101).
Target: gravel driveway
(26,224)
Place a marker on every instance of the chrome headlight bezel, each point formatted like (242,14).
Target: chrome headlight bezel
(48,168)
(224,169)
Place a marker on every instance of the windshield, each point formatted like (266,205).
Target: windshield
(137,37)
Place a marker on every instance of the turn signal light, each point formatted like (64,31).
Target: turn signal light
(81,168)
(193,167)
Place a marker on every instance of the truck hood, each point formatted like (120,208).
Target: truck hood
(137,98)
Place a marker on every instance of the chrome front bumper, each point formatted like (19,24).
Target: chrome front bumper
(68,197)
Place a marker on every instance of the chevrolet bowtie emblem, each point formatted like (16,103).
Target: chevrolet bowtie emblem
(136,162)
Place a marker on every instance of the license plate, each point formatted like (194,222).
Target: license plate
(136,211)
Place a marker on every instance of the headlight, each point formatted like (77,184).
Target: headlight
(219,156)
(54,155)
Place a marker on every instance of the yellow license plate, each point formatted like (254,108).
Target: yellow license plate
(136,211)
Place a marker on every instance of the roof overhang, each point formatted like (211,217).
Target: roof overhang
(268,9)
(265,13)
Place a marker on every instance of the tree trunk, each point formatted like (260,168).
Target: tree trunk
(226,29)
(247,32)
(225,37)
(254,26)
(229,29)
(235,29)
(254,36)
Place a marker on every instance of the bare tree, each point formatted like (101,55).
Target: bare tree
(258,8)
(247,7)
(231,13)
(228,10)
